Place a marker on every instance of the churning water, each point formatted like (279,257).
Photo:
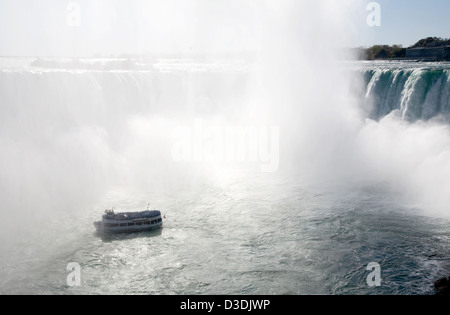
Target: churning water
(80,137)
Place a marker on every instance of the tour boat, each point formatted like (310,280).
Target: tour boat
(127,222)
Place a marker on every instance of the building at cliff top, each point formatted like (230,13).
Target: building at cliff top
(429,53)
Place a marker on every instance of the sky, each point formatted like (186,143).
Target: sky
(406,21)
(89,27)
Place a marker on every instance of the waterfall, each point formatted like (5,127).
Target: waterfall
(417,93)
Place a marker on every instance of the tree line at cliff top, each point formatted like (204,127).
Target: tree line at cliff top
(397,51)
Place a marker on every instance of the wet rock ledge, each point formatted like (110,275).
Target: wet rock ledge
(442,286)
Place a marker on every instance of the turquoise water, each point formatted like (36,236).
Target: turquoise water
(258,236)
(419,91)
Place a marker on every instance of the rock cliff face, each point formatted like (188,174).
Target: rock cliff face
(437,53)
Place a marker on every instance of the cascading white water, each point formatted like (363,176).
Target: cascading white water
(95,119)
(87,125)
(408,141)
(418,93)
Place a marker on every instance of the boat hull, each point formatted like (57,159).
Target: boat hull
(101,228)
(129,222)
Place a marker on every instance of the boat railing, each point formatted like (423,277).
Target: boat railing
(131,215)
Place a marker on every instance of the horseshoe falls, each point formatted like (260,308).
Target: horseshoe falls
(278,167)
(78,140)
(415,92)
(406,106)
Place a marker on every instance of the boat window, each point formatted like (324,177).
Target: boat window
(130,224)
(138,223)
(147,222)
(159,220)
(123,224)
(111,225)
